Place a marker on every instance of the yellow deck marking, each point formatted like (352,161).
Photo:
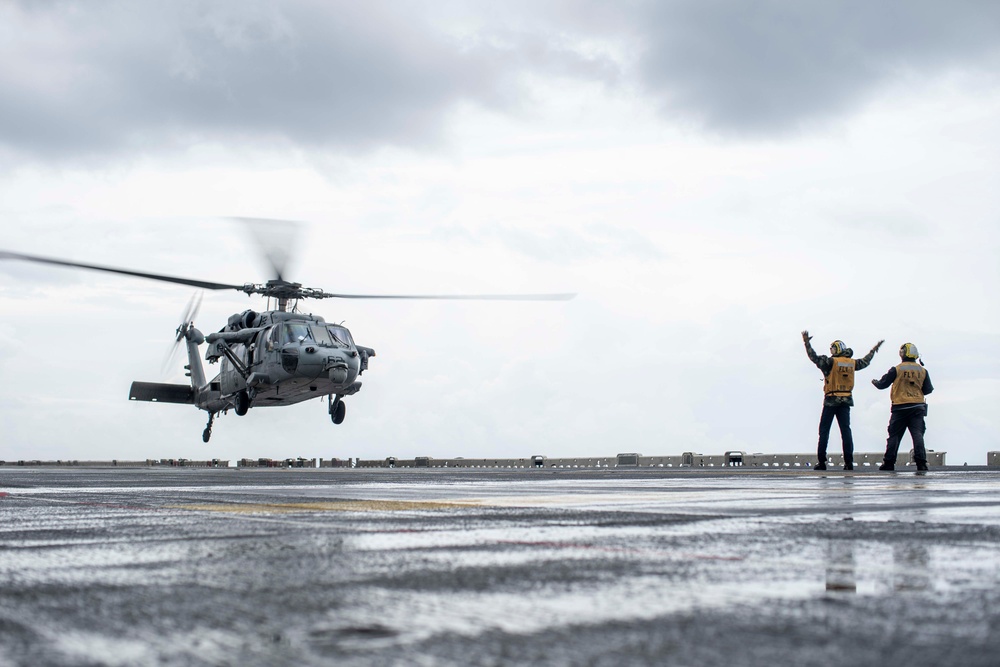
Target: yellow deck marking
(679,500)
(322,506)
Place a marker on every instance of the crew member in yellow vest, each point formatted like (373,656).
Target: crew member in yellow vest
(838,373)
(910,383)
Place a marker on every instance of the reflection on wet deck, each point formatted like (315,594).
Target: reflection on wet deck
(211,567)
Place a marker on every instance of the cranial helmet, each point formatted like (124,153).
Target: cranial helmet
(908,351)
(837,347)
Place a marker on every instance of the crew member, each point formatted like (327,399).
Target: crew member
(910,383)
(838,370)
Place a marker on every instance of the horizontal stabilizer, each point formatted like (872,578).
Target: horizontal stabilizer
(161,393)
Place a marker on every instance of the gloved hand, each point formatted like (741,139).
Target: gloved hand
(806,337)
(879,344)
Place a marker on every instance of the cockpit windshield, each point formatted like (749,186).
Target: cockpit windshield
(320,334)
(341,336)
(291,332)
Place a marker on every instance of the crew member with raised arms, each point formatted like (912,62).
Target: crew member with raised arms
(910,383)
(838,371)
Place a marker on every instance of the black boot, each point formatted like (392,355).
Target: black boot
(921,465)
(820,466)
(848,466)
(887,466)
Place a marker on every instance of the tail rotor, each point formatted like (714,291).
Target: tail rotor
(186,325)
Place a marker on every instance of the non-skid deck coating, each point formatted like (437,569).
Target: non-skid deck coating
(429,567)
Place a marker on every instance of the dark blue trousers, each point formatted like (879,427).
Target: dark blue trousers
(843,415)
(899,422)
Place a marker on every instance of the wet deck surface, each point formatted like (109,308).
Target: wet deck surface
(433,567)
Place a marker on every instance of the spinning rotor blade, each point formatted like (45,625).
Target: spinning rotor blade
(139,274)
(275,239)
(190,312)
(170,357)
(459,297)
(187,320)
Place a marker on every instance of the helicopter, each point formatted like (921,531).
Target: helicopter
(276,357)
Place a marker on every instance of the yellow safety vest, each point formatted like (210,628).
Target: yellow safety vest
(840,379)
(908,387)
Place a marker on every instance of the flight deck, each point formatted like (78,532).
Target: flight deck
(269,566)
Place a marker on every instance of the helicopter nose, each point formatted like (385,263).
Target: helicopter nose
(342,368)
(310,361)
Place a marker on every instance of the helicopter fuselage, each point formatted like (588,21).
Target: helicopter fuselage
(282,358)
(271,358)
(285,358)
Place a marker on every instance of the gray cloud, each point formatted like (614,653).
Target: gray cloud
(99,78)
(80,79)
(765,67)
(304,73)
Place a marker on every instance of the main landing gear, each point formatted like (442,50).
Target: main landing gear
(338,409)
(242,402)
(207,433)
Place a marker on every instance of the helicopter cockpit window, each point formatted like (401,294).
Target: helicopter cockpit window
(293,331)
(341,336)
(321,335)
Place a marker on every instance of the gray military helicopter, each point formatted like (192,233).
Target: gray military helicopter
(274,357)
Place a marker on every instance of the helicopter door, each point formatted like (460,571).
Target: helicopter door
(257,351)
(228,377)
(270,351)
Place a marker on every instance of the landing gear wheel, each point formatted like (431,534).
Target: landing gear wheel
(338,411)
(242,403)
(207,433)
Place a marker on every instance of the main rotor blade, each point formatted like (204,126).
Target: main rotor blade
(459,297)
(139,274)
(275,239)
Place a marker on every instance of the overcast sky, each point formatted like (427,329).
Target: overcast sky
(710,177)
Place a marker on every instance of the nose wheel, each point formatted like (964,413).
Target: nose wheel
(338,410)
